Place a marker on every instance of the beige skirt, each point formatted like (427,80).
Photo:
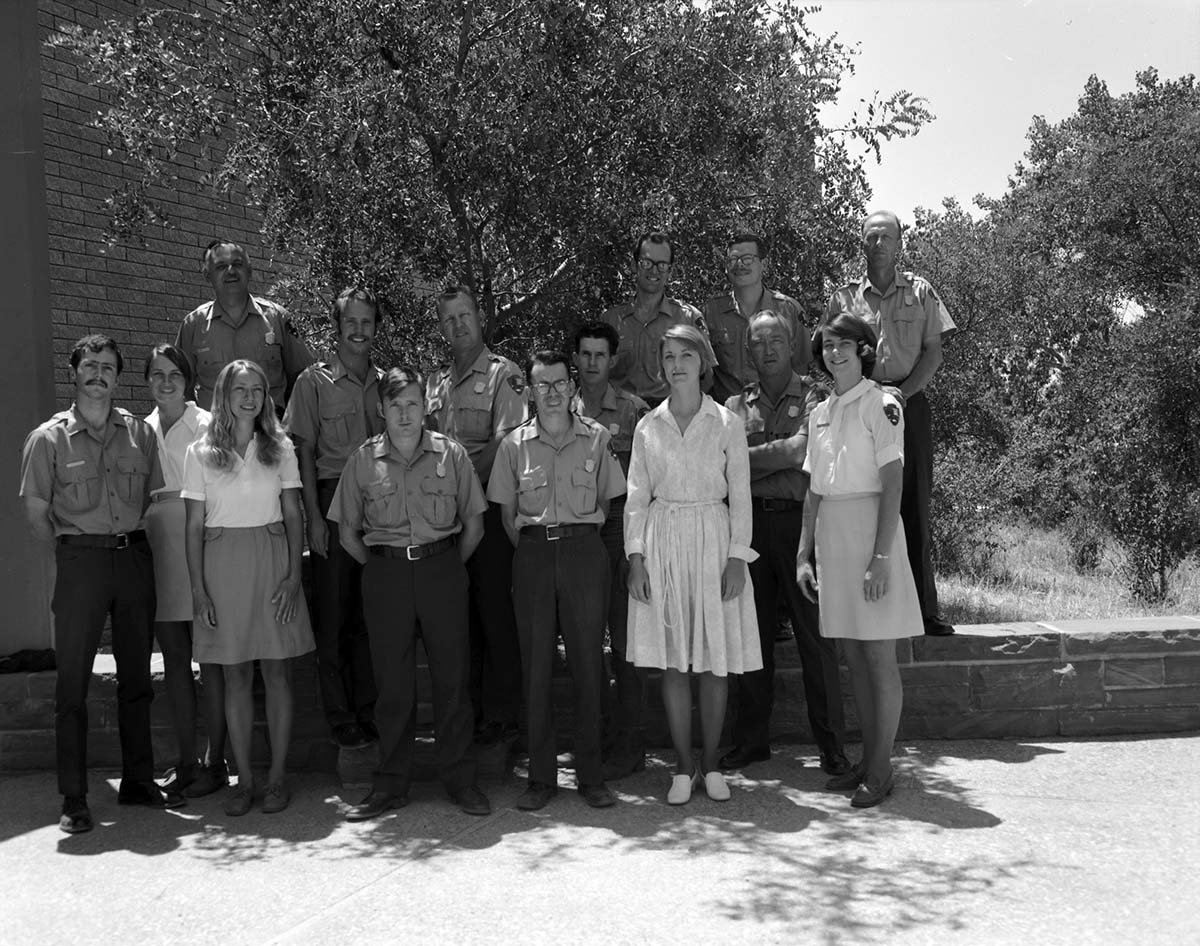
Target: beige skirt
(165,521)
(845,542)
(242,569)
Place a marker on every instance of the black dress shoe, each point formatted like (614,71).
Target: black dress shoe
(350,736)
(471,801)
(834,763)
(376,804)
(597,796)
(76,819)
(536,796)
(741,756)
(936,627)
(148,795)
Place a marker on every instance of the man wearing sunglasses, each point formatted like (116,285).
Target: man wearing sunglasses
(642,322)
(728,314)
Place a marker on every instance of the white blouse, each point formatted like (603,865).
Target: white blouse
(850,436)
(247,494)
(172,446)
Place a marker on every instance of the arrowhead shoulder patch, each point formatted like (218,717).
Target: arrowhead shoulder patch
(892,413)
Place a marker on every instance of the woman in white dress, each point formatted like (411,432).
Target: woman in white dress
(867,593)
(177,422)
(687,538)
(245,536)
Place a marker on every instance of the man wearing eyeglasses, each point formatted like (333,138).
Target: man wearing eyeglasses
(553,478)
(727,316)
(642,322)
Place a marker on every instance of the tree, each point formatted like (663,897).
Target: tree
(520,145)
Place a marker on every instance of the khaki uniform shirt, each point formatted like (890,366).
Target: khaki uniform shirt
(907,315)
(766,422)
(95,485)
(486,402)
(727,332)
(619,413)
(636,367)
(556,485)
(392,501)
(332,410)
(265,337)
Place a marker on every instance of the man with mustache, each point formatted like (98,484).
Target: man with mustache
(333,409)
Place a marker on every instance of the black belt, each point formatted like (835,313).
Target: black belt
(766,504)
(414,553)
(122,540)
(554,533)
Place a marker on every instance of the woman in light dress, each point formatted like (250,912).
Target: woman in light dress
(245,536)
(867,593)
(687,538)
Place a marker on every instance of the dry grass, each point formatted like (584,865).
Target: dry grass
(1033,579)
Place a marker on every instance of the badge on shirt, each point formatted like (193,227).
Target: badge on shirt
(479,387)
(892,413)
(794,410)
(516,383)
(614,429)
(589,465)
(270,337)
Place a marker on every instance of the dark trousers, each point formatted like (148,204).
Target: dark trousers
(343,651)
(776,539)
(91,584)
(495,650)
(401,599)
(562,587)
(914,500)
(625,713)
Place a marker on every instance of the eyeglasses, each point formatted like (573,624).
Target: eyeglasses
(545,387)
(660,265)
(746,259)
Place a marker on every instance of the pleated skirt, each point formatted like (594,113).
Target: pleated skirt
(165,522)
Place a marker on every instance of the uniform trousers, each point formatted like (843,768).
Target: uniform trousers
(343,651)
(402,599)
(776,539)
(914,499)
(630,697)
(495,650)
(91,584)
(561,586)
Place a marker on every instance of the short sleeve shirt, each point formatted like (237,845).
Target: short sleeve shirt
(172,446)
(767,422)
(619,413)
(905,317)
(245,495)
(636,367)
(485,403)
(335,412)
(399,502)
(265,337)
(96,484)
(555,485)
(852,435)
(727,332)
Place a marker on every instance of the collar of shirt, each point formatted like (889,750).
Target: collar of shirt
(478,366)
(190,418)
(730,302)
(337,371)
(77,423)
(664,310)
(533,431)
(662,413)
(215,310)
(608,401)
(899,281)
(384,449)
(841,400)
(796,387)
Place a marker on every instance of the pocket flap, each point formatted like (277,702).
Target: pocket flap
(532,479)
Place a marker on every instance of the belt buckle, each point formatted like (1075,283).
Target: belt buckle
(412,553)
(553,533)
(122,540)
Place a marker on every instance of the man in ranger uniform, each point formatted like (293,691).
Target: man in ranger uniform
(911,323)
(477,398)
(775,410)
(238,325)
(641,323)
(333,409)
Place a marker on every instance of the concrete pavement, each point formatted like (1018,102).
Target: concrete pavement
(984,842)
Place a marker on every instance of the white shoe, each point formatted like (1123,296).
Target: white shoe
(714,785)
(680,792)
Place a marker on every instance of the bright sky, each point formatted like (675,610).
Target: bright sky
(987,67)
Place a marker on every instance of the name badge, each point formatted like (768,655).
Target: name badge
(794,411)
(589,465)
(479,386)
(270,337)
(614,429)
(76,463)
(440,469)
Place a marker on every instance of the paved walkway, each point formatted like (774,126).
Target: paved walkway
(1032,843)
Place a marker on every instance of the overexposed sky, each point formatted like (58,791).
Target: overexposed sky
(987,67)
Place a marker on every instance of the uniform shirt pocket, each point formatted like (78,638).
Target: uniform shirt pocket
(907,325)
(209,362)
(80,487)
(336,420)
(473,419)
(131,479)
(439,501)
(272,363)
(533,493)
(382,505)
(583,492)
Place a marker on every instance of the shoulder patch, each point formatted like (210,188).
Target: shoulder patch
(517,383)
(892,413)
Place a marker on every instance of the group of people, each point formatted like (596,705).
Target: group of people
(678,481)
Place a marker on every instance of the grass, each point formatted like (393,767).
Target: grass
(1033,579)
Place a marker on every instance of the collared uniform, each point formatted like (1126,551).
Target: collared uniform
(409,513)
(636,367)
(486,402)
(619,413)
(560,570)
(98,488)
(907,316)
(266,337)
(778,503)
(727,331)
(335,412)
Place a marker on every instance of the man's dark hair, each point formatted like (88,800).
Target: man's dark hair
(851,326)
(546,357)
(206,259)
(175,357)
(653,236)
(454,289)
(598,330)
(761,246)
(357,294)
(96,344)
(397,379)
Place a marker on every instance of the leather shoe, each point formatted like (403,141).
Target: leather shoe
(715,787)
(375,804)
(276,798)
(536,796)
(848,781)
(868,796)
(682,786)
(179,778)
(209,779)
(741,756)
(597,796)
(936,627)
(834,763)
(471,801)
(148,795)
(350,736)
(76,819)
(240,800)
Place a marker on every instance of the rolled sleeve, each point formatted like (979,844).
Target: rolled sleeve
(346,507)
(471,501)
(887,437)
(37,468)
(300,418)
(193,476)
(508,407)
(610,481)
(289,467)
(502,484)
